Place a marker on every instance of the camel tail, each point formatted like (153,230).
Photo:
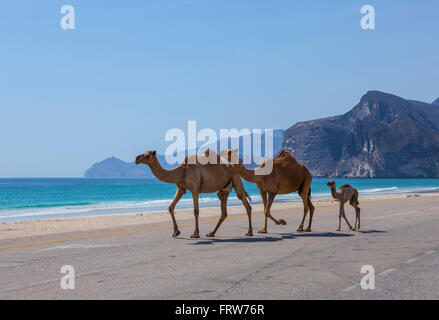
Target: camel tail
(356,198)
(299,191)
(239,188)
(248,196)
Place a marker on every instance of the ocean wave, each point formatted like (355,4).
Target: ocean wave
(380,190)
(47,211)
(79,209)
(39,206)
(99,208)
(398,190)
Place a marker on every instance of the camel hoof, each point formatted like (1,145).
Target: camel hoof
(249,234)
(300,229)
(338,229)
(211,234)
(308,230)
(282,222)
(176,233)
(195,236)
(262,231)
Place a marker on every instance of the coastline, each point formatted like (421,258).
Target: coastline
(46,198)
(31,228)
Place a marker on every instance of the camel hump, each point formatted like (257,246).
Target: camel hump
(210,152)
(283,154)
(346,186)
(208,157)
(285,159)
(190,159)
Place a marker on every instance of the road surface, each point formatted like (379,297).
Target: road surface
(399,239)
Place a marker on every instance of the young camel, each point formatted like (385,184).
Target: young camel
(344,194)
(200,174)
(286,176)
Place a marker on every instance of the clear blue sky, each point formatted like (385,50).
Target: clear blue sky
(134,69)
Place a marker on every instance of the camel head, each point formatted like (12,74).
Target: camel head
(231,155)
(331,183)
(146,157)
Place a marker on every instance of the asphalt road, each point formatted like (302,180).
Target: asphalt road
(399,238)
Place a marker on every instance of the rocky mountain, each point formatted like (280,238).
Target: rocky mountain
(116,168)
(382,136)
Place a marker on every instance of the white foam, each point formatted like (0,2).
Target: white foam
(101,208)
(378,190)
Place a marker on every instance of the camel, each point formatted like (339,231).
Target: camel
(202,175)
(286,176)
(344,194)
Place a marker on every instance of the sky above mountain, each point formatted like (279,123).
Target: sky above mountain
(131,70)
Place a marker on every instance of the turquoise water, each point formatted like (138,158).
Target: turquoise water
(30,199)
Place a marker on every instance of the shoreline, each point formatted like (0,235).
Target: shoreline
(43,199)
(120,208)
(58,225)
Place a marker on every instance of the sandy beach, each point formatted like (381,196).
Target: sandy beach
(10,230)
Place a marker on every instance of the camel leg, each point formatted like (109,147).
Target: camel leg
(340,215)
(180,192)
(248,209)
(357,212)
(196,212)
(263,196)
(305,212)
(278,221)
(270,200)
(347,221)
(354,202)
(222,195)
(311,213)
(240,192)
(356,215)
(264,200)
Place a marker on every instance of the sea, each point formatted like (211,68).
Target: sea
(24,199)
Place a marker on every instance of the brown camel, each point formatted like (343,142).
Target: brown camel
(286,176)
(344,194)
(199,174)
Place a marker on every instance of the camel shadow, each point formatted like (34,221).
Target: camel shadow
(282,236)
(212,241)
(371,231)
(322,235)
(336,234)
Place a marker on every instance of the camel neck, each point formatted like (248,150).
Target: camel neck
(247,174)
(334,192)
(170,176)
